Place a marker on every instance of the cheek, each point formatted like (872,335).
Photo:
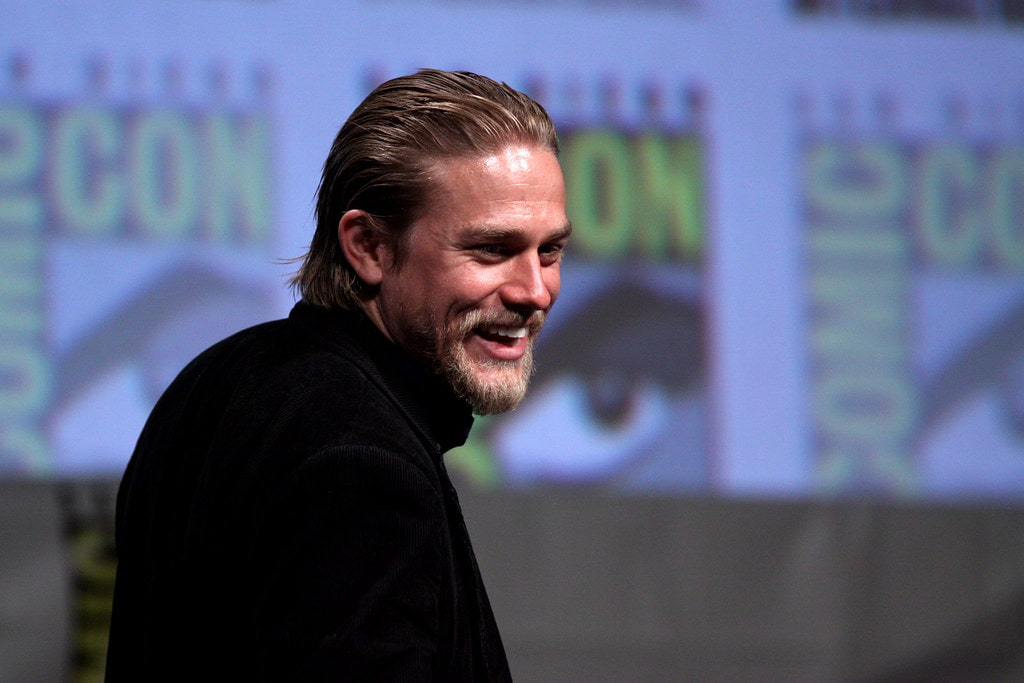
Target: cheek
(405,302)
(472,286)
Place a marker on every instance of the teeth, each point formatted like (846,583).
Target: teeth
(513,332)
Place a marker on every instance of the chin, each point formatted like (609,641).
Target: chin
(492,390)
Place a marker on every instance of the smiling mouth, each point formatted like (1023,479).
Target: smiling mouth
(503,334)
(500,336)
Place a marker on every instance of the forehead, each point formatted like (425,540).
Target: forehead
(525,178)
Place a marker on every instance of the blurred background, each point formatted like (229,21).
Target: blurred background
(777,430)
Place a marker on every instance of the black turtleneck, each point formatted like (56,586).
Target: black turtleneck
(434,408)
(286,515)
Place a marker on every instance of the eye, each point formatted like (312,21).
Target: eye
(569,431)
(551,253)
(491,251)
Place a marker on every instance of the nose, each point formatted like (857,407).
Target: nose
(530,285)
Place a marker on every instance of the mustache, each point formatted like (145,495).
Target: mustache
(502,318)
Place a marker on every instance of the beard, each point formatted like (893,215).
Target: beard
(489,386)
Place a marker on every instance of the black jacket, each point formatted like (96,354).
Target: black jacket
(286,515)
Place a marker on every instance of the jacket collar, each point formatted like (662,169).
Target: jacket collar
(433,409)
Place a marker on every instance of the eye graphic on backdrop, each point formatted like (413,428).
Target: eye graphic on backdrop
(974,403)
(1011,390)
(160,326)
(994,360)
(127,357)
(618,398)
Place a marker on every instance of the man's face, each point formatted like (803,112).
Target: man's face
(480,271)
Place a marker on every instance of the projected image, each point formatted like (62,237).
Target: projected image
(852,270)
(138,234)
(916,300)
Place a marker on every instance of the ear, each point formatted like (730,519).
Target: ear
(363,247)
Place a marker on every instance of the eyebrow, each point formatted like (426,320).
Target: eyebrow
(499,233)
(564,232)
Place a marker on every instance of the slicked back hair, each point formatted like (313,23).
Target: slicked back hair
(381,159)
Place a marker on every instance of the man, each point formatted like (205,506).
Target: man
(286,514)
